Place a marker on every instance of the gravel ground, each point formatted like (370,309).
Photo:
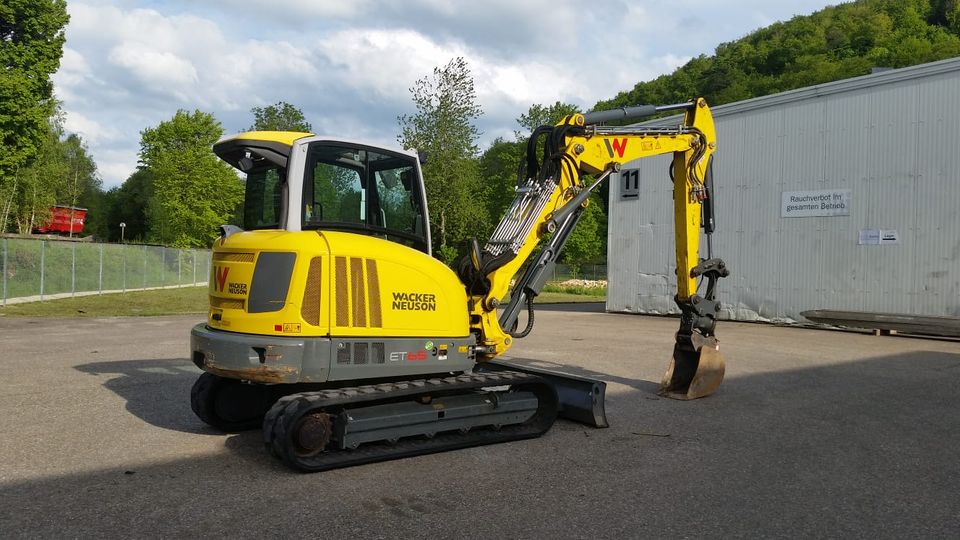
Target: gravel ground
(813,434)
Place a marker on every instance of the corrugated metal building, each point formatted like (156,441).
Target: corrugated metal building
(886,145)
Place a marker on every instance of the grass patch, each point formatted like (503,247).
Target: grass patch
(549,297)
(193,300)
(187,300)
(597,293)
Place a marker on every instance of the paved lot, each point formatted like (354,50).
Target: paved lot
(814,433)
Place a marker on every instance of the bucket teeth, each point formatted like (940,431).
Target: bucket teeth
(695,371)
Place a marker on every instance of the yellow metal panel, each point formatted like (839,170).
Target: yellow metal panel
(413,294)
(289,320)
(237,257)
(283,137)
(226,303)
(686,223)
(396,290)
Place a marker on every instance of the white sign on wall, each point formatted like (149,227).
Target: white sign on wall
(878,237)
(817,203)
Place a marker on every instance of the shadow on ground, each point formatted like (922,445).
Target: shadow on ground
(645,387)
(156,391)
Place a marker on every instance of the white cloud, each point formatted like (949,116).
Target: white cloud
(155,68)
(382,61)
(92,131)
(349,65)
(118,162)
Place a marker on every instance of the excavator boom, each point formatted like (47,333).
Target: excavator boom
(549,203)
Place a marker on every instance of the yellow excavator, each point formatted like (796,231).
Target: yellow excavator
(333,328)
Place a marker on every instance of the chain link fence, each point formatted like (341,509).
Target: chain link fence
(563,272)
(44,269)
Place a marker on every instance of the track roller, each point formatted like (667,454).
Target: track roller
(328,429)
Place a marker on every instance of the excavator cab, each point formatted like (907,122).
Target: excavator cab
(336,185)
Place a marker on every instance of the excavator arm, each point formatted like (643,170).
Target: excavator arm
(578,155)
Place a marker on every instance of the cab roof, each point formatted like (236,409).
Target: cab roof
(274,146)
(283,137)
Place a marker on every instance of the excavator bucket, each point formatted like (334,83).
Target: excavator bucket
(694,372)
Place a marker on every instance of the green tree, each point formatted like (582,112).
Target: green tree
(498,167)
(129,204)
(588,242)
(539,115)
(443,129)
(280,117)
(193,191)
(82,186)
(834,43)
(37,185)
(62,172)
(31,43)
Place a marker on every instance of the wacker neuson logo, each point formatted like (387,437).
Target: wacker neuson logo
(411,301)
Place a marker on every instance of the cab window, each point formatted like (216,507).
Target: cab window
(363,190)
(263,197)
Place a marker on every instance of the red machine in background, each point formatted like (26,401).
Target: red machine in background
(64,220)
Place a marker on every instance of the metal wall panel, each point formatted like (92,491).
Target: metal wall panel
(893,139)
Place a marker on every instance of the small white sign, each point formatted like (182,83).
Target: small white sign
(878,237)
(818,203)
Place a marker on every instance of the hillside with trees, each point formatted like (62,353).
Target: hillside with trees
(834,43)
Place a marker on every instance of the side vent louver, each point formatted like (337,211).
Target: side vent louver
(359,353)
(357,291)
(343,353)
(358,295)
(310,308)
(343,309)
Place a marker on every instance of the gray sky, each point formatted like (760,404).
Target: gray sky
(130,64)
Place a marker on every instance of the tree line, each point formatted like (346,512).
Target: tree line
(181,192)
(837,42)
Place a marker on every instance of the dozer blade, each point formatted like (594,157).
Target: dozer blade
(582,399)
(695,371)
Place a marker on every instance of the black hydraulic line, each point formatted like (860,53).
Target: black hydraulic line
(533,279)
(530,316)
(708,210)
(675,106)
(560,215)
(623,113)
(533,166)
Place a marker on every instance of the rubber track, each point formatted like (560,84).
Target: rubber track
(288,409)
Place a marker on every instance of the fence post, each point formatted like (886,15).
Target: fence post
(163,267)
(100,277)
(144,267)
(73,271)
(4,271)
(179,268)
(42,255)
(193,257)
